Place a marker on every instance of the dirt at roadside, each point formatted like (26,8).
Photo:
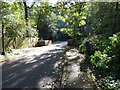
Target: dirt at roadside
(69,73)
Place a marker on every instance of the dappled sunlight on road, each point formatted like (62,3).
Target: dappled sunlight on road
(30,69)
(39,68)
(30,60)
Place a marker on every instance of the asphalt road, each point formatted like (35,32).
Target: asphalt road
(32,70)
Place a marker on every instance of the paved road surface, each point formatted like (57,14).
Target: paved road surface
(32,70)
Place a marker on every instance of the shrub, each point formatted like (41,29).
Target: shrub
(108,83)
(100,59)
(106,59)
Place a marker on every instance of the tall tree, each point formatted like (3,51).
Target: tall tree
(105,17)
(3,11)
(45,21)
(74,15)
(3,45)
(26,10)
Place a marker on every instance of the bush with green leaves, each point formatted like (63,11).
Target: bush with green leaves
(107,62)
(114,45)
(82,48)
(108,83)
(100,59)
(110,53)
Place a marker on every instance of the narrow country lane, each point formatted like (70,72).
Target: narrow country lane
(32,70)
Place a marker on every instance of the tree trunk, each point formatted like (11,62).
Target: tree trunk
(26,12)
(117,15)
(3,46)
(26,17)
(26,8)
(14,41)
(38,27)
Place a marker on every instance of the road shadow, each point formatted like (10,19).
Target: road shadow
(27,72)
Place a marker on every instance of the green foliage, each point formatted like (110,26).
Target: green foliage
(104,17)
(114,45)
(46,21)
(82,46)
(111,50)
(107,62)
(115,40)
(13,16)
(74,15)
(109,83)
(100,59)
(87,46)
